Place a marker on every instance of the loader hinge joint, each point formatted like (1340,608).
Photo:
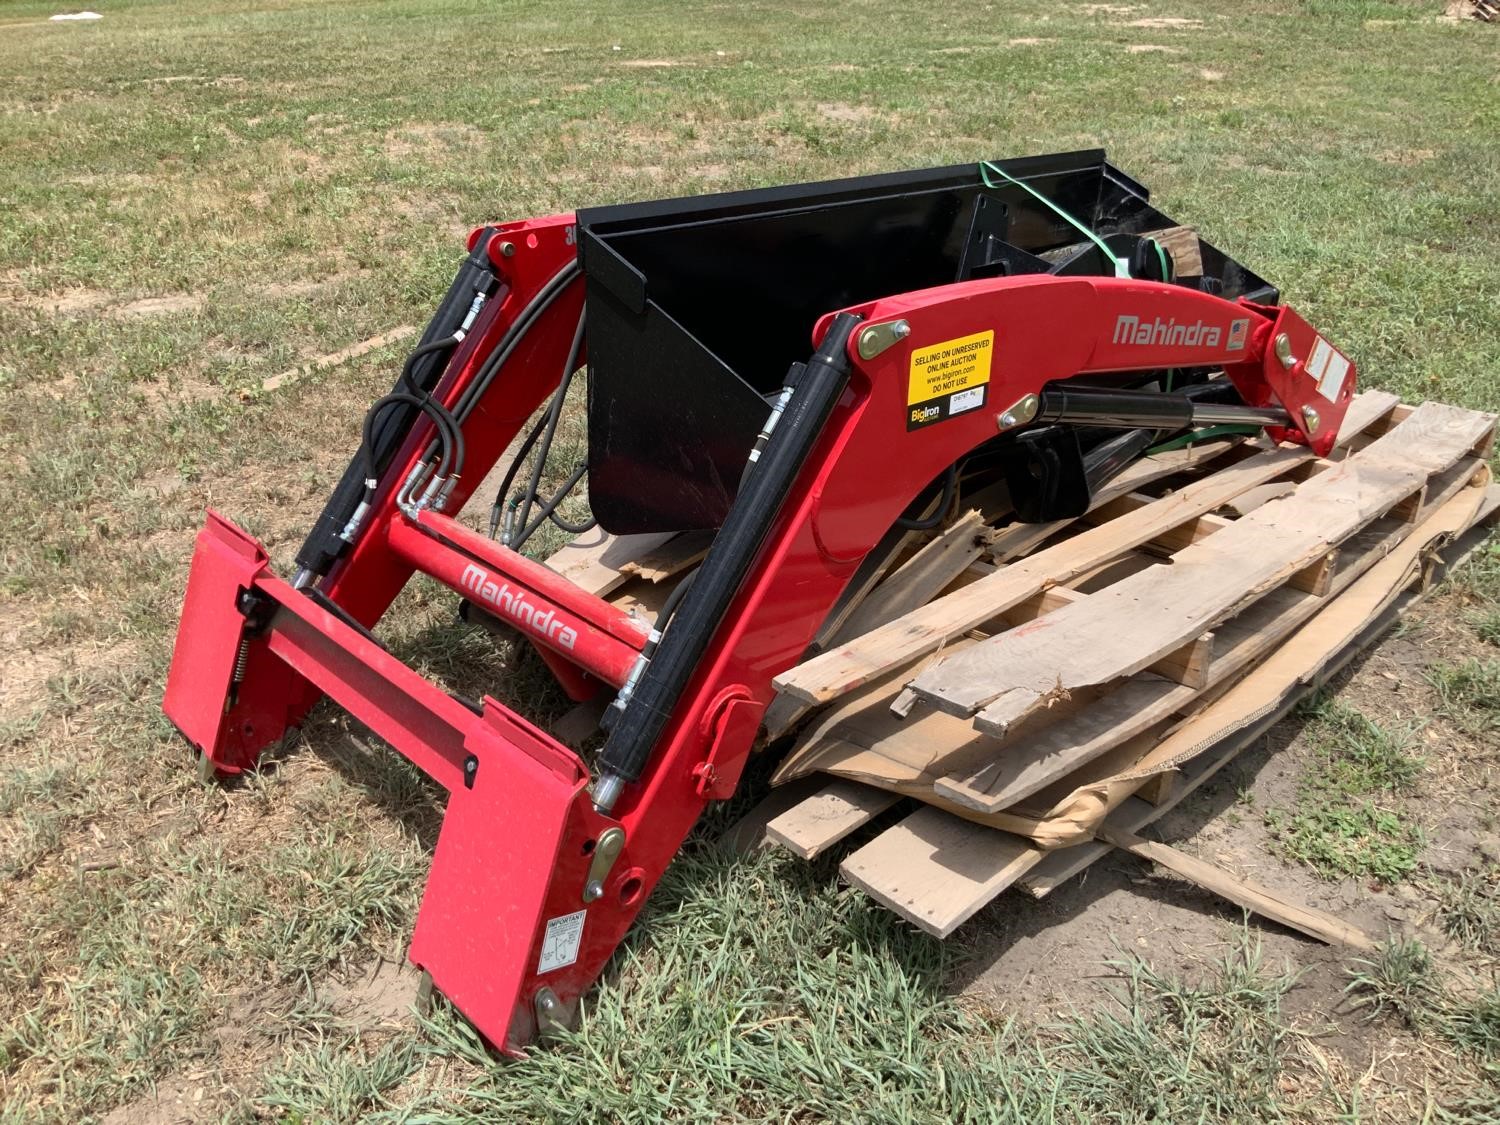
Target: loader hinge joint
(256,608)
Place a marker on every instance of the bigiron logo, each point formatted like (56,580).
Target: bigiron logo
(925,413)
(1158,332)
(514,605)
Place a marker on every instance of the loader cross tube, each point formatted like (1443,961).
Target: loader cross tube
(547,610)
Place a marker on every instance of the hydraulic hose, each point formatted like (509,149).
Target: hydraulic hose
(554,415)
(325,541)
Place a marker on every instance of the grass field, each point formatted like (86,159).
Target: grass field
(197,195)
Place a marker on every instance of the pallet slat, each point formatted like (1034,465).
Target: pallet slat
(1133,814)
(595,559)
(936,870)
(667,559)
(818,822)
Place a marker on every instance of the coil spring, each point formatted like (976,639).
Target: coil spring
(241,659)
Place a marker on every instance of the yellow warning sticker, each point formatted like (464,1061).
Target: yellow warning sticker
(953,365)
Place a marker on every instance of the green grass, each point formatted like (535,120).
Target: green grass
(1470,692)
(298,176)
(1346,821)
(1469,909)
(1401,981)
(827,1008)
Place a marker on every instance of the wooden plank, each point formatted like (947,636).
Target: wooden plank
(332,359)
(815,824)
(1176,538)
(578,724)
(1189,664)
(1242,892)
(593,561)
(1133,623)
(1244,504)
(1159,788)
(860,738)
(1027,766)
(934,625)
(937,870)
(1317,578)
(1055,868)
(670,558)
(1189,533)
(1410,508)
(922,577)
(1366,410)
(749,832)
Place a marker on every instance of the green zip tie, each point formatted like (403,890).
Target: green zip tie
(1201,435)
(1122,267)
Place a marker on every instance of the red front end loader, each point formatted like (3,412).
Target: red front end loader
(800,370)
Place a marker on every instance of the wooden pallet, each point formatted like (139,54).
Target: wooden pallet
(1065,667)
(1015,680)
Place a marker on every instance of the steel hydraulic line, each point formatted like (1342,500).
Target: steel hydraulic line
(1144,409)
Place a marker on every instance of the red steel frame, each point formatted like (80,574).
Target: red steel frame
(253,654)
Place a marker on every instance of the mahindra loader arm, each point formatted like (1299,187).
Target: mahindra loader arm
(706,410)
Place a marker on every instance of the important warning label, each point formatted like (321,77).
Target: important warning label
(560,944)
(948,378)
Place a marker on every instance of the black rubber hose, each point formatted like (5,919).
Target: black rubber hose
(408,369)
(509,342)
(511,473)
(550,507)
(554,416)
(451,436)
(950,486)
(324,543)
(574,528)
(729,560)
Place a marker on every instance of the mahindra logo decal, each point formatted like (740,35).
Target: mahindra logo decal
(1158,332)
(514,605)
